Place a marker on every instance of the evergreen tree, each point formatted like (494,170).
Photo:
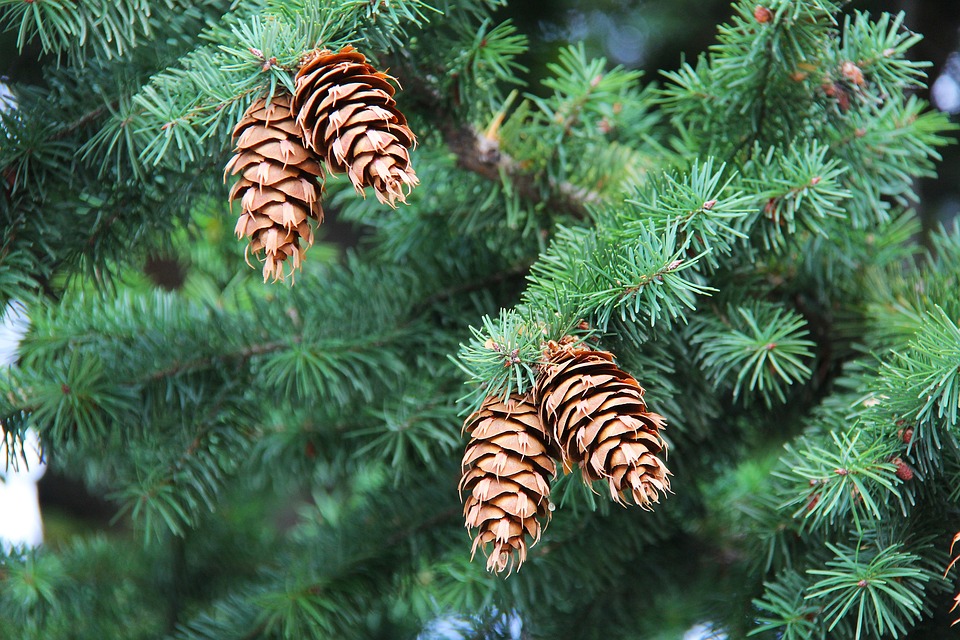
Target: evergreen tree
(706,294)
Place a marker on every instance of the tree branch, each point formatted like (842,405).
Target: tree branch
(481,155)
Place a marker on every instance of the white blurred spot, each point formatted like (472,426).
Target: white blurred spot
(7,101)
(945,92)
(13,326)
(704,631)
(20,522)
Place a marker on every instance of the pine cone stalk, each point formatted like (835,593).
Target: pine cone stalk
(347,113)
(278,187)
(506,473)
(596,414)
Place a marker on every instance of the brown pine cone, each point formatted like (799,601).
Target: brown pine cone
(506,475)
(278,187)
(596,414)
(346,110)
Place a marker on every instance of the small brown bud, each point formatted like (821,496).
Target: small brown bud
(843,101)
(815,180)
(841,472)
(852,72)
(906,435)
(904,472)
(861,583)
(837,91)
(709,204)
(762,15)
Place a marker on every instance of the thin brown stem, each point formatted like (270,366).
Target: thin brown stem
(475,285)
(209,361)
(482,155)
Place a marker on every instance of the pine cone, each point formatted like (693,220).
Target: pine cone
(506,471)
(278,188)
(349,117)
(956,599)
(596,414)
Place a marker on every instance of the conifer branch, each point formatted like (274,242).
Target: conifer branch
(237,357)
(514,272)
(480,153)
(84,120)
(761,97)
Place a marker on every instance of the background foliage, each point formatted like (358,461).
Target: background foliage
(741,230)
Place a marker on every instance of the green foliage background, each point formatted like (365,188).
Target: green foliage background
(740,230)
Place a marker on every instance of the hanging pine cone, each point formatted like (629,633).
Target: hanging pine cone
(596,414)
(349,117)
(506,472)
(278,186)
(956,599)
